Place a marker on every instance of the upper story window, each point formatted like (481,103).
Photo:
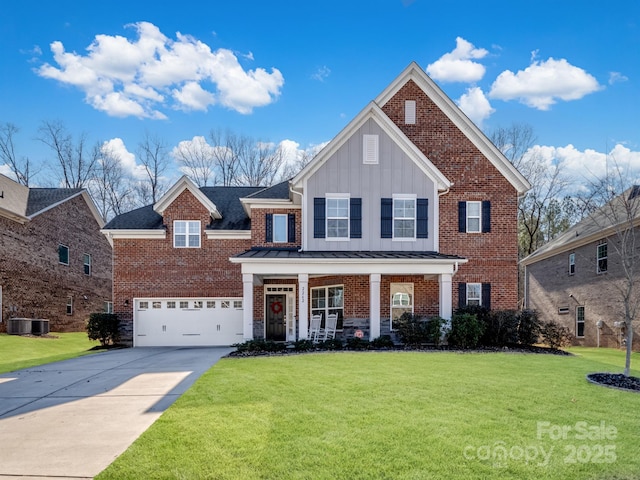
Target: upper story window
(602,258)
(63,254)
(572,263)
(186,234)
(280,228)
(474,217)
(337,218)
(87,264)
(404,218)
(474,294)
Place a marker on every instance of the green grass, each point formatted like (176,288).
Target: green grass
(18,352)
(396,415)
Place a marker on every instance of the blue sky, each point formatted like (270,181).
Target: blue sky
(298,72)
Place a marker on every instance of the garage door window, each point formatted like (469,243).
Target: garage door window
(197,304)
(156,304)
(184,304)
(211,304)
(186,234)
(143,305)
(171,304)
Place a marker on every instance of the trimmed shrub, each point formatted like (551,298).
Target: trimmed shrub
(555,335)
(382,342)
(466,331)
(501,328)
(332,344)
(104,327)
(528,327)
(413,330)
(259,346)
(303,345)
(355,343)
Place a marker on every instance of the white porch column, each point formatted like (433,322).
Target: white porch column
(247,306)
(374,305)
(303,306)
(446,296)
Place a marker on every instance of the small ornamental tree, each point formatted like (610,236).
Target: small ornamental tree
(104,327)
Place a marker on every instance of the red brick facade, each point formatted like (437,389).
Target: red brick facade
(36,285)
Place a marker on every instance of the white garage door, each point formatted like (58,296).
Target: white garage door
(187,321)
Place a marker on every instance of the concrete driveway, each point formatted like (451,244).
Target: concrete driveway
(71,419)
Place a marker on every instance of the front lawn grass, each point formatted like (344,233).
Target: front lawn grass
(395,415)
(18,352)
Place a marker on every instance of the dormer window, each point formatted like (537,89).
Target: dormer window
(186,234)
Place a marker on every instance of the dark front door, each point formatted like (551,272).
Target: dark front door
(276,326)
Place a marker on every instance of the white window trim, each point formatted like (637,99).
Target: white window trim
(85,264)
(572,263)
(578,308)
(391,307)
(598,258)
(393,217)
(187,234)
(327,307)
(337,196)
(479,217)
(70,305)
(479,290)
(286,227)
(68,254)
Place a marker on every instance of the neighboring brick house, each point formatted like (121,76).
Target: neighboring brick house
(54,262)
(575,279)
(409,208)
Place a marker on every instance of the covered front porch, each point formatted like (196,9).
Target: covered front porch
(296,273)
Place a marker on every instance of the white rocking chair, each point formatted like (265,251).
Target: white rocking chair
(329,330)
(314,328)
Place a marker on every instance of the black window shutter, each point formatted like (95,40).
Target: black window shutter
(318,217)
(486,295)
(462,294)
(386,218)
(422,214)
(462,217)
(268,227)
(486,216)
(291,228)
(355,217)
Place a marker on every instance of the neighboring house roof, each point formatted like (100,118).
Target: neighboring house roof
(373,111)
(452,111)
(601,223)
(22,204)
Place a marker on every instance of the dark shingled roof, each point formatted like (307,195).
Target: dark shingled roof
(226,199)
(278,191)
(41,198)
(289,254)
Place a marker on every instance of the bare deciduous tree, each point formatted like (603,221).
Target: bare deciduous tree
(154,156)
(196,159)
(226,147)
(76,161)
(260,164)
(110,188)
(20,167)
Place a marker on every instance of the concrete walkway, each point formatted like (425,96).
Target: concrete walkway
(71,419)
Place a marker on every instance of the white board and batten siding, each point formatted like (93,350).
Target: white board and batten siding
(187,322)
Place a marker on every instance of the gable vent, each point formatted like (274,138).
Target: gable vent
(410,112)
(370,149)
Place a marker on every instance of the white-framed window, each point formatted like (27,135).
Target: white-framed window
(474,217)
(225,304)
(171,304)
(401,300)
(143,305)
(580,321)
(474,294)
(156,305)
(280,233)
(409,112)
(404,218)
(184,304)
(572,263)
(211,304)
(63,254)
(337,217)
(108,307)
(326,300)
(86,259)
(198,304)
(186,234)
(69,305)
(237,304)
(602,263)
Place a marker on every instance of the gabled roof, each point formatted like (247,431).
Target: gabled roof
(185,183)
(374,112)
(600,224)
(44,198)
(452,111)
(279,191)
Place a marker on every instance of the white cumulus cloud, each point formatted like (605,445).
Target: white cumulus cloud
(475,105)
(142,76)
(127,160)
(543,83)
(459,65)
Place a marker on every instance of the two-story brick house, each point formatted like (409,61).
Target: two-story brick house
(54,262)
(577,279)
(409,208)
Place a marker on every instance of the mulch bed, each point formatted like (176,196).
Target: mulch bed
(615,380)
